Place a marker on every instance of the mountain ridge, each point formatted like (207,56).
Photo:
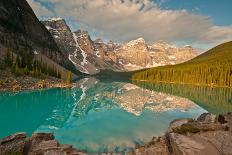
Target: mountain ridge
(91,56)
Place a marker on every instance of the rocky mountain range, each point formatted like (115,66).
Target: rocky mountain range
(91,56)
(62,47)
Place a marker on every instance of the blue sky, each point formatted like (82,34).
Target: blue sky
(219,10)
(201,23)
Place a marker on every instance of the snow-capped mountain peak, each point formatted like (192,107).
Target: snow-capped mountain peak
(55,19)
(91,57)
(136,42)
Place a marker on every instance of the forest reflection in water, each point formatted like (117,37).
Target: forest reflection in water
(215,100)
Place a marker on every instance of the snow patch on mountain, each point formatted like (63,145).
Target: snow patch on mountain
(55,19)
(136,42)
(82,51)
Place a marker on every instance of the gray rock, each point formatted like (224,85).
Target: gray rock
(45,146)
(156,147)
(184,145)
(35,140)
(207,117)
(55,152)
(177,123)
(13,144)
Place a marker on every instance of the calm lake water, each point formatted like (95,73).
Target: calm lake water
(100,116)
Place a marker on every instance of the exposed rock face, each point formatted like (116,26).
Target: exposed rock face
(137,54)
(61,34)
(69,43)
(93,56)
(88,56)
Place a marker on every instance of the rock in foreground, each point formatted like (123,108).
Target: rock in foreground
(37,144)
(209,134)
(206,135)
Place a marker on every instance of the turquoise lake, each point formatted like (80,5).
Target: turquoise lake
(99,116)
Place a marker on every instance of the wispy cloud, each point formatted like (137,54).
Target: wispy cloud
(123,20)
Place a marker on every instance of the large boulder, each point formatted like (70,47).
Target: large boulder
(187,145)
(177,123)
(157,146)
(44,147)
(206,135)
(37,138)
(37,144)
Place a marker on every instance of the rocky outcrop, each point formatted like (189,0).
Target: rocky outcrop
(206,135)
(37,144)
(209,134)
(13,144)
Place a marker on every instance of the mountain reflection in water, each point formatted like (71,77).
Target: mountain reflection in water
(100,116)
(114,116)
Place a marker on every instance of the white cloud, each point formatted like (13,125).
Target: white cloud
(124,20)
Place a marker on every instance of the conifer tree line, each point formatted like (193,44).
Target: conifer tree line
(213,68)
(24,64)
(217,74)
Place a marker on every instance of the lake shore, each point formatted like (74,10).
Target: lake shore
(11,83)
(178,83)
(208,134)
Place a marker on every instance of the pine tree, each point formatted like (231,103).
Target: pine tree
(2,66)
(17,71)
(8,59)
(68,77)
(26,70)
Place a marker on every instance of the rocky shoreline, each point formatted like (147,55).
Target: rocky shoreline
(11,83)
(208,134)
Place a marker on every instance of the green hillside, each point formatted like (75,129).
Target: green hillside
(219,53)
(212,68)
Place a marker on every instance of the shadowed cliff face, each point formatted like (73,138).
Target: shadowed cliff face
(20,27)
(17,18)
